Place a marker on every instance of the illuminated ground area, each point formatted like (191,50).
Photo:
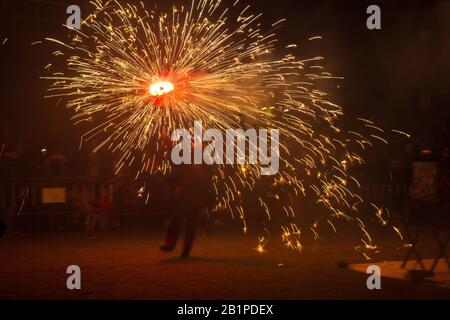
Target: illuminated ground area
(127,265)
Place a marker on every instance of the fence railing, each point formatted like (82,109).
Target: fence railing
(51,203)
(40,195)
(46,195)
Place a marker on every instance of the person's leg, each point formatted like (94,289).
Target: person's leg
(94,222)
(87,223)
(192,217)
(10,208)
(102,222)
(173,231)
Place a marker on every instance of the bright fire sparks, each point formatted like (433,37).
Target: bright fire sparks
(161,88)
(229,73)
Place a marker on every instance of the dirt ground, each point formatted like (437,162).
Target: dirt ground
(128,265)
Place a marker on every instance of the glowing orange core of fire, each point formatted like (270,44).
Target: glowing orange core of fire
(160,88)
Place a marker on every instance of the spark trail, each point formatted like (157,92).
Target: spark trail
(133,75)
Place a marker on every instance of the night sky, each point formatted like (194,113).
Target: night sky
(397,76)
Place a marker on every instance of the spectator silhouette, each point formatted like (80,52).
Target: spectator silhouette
(9,159)
(2,228)
(104,206)
(444,175)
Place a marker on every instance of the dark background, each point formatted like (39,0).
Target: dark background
(397,76)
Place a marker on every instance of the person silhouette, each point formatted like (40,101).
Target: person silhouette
(191,193)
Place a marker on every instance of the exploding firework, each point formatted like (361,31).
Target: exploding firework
(134,75)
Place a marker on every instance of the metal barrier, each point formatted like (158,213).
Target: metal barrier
(51,203)
(27,194)
(34,195)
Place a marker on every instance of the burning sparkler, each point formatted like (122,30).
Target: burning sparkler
(134,74)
